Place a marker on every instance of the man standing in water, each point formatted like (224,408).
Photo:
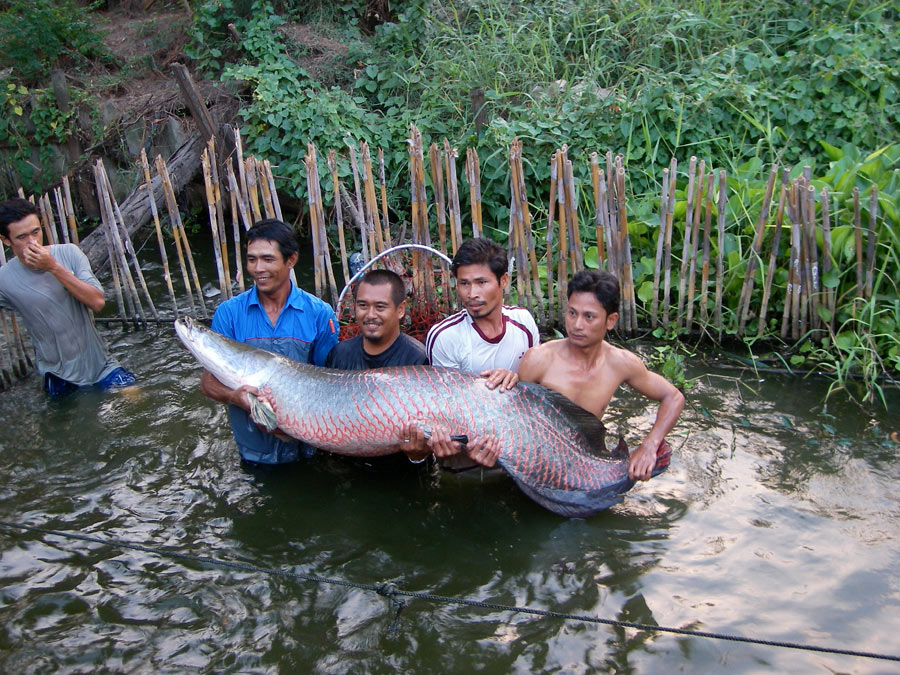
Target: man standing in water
(486,338)
(380,305)
(273,315)
(587,369)
(54,290)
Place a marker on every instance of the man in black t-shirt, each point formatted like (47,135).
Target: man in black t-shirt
(380,303)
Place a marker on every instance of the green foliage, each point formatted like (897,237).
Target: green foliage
(35,35)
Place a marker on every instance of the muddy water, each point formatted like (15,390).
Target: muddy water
(779,519)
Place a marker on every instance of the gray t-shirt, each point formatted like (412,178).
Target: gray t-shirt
(65,340)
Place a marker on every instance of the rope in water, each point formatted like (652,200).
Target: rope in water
(394,594)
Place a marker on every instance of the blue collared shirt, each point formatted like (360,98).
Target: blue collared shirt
(306,331)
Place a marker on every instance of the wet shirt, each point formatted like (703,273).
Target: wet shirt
(350,355)
(456,342)
(306,331)
(66,343)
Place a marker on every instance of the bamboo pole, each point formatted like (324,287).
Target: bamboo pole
(61,214)
(813,255)
(667,249)
(366,237)
(572,217)
(46,216)
(264,191)
(773,254)
(686,241)
(805,269)
(450,156)
(552,315)
(311,173)
(384,200)
(598,217)
(857,238)
(437,181)
(695,245)
(626,248)
(129,246)
(252,191)
(612,255)
(220,215)
(159,235)
(213,217)
(473,177)
(113,267)
(339,215)
(181,243)
(707,234)
(372,218)
(827,260)
(660,243)
(242,206)
(242,175)
(790,209)
(563,279)
(324,256)
(529,243)
(518,206)
(70,210)
(796,264)
(871,240)
(273,191)
(236,233)
(755,252)
(416,196)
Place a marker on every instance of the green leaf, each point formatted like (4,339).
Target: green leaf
(645,292)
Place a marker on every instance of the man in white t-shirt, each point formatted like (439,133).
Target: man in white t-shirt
(486,337)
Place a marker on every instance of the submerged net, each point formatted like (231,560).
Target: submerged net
(426,275)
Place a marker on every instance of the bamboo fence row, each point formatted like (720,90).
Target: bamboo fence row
(687,291)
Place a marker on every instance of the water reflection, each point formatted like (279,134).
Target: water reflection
(778,519)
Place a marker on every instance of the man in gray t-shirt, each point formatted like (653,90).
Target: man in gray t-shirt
(53,289)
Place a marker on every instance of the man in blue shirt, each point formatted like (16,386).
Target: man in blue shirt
(277,316)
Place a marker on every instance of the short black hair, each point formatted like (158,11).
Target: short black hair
(481,251)
(272,229)
(14,210)
(382,277)
(601,283)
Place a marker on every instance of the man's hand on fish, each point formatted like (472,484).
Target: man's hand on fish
(484,450)
(642,461)
(500,377)
(412,442)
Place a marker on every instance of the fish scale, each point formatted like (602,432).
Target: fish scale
(553,450)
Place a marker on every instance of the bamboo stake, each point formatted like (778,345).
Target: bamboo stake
(563,279)
(796,253)
(612,255)
(790,203)
(61,214)
(805,270)
(517,197)
(220,215)
(252,191)
(339,214)
(437,181)
(264,191)
(242,175)
(552,315)
(667,249)
(119,221)
(416,196)
(113,267)
(159,235)
(660,242)
(572,217)
(324,255)
(372,218)
(311,173)
(813,255)
(8,362)
(755,251)
(827,260)
(384,200)
(213,217)
(70,210)
(598,217)
(242,206)
(686,242)
(366,237)
(273,191)
(181,243)
(720,253)
(47,219)
(236,230)
(626,247)
(857,237)
(537,300)
(695,245)
(473,177)
(773,255)
(707,233)
(450,156)
(871,238)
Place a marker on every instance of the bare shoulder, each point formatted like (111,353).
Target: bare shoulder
(624,361)
(538,360)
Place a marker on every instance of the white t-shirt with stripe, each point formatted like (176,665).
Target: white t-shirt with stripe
(456,342)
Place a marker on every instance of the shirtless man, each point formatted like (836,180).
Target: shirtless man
(588,369)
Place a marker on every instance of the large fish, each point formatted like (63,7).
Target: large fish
(554,450)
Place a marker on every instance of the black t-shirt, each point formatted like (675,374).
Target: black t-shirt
(350,355)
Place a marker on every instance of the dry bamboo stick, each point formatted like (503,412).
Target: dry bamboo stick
(339,215)
(213,217)
(563,279)
(8,364)
(252,191)
(686,241)
(707,234)
(598,217)
(61,214)
(239,161)
(572,217)
(159,235)
(552,315)
(743,310)
(827,260)
(612,255)
(243,208)
(220,215)
(796,253)
(372,217)
(180,240)
(273,191)
(70,210)
(667,249)
(437,181)
(857,238)
(626,247)
(450,156)
(311,173)
(773,254)
(366,237)
(113,267)
(473,176)
(660,242)
(324,254)
(236,233)
(385,218)
(47,219)
(264,191)
(425,230)
(813,248)
(523,286)
(415,210)
(529,241)
(695,245)
(805,270)
(871,240)
(790,203)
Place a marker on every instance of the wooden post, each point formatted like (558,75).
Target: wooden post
(159,236)
(339,214)
(755,251)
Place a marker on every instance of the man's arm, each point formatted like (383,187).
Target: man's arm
(40,258)
(671,402)
(214,389)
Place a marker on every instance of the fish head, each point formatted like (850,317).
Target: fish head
(232,363)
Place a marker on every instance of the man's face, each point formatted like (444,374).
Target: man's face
(587,321)
(377,316)
(24,233)
(480,294)
(270,271)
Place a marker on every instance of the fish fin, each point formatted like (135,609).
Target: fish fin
(576,503)
(262,413)
(586,422)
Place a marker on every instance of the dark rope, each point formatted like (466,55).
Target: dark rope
(390,591)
